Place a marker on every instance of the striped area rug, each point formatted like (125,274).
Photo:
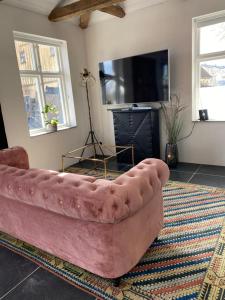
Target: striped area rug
(174,268)
(181,265)
(214,283)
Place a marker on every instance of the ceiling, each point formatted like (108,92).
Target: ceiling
(44,7)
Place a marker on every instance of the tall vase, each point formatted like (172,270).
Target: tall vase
(171,155)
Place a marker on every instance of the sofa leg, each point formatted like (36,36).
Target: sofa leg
(116,281)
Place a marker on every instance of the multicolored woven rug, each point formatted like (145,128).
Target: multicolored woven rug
(187,261)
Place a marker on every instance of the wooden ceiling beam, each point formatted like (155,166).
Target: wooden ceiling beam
(84,20)
(114,10)
(79,8)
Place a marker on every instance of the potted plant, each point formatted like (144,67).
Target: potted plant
(50,112)
(174,125)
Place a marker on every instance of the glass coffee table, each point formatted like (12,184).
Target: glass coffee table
(112,151)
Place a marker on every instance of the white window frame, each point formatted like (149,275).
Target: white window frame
(197,58)
(68,109)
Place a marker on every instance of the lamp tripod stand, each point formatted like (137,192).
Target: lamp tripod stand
(91,139)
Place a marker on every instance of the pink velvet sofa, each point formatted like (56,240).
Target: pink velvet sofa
(102,226)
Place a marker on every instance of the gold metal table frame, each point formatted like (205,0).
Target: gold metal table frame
(117,150)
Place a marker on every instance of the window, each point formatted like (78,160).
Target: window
(44,72)
(22,57)
(209,66)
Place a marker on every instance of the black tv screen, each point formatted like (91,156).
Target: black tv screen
(136,79)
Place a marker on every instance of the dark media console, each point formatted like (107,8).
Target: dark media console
(140,127)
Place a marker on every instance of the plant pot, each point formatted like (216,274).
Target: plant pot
(171,155)
(51,128)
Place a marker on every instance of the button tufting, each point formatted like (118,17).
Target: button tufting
(60,180)
(9,187)
(140,167)
(19,188)
(115,206)
(31,192)
(93,187)
(127,202)
(60,202)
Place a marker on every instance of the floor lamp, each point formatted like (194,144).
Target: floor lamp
(91,139)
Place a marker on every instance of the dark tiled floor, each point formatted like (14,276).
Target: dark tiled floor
(180,176)
(212,180)
(43,285)
(13,269)
(22,279)
(187,167)
(212,170)
(199,174)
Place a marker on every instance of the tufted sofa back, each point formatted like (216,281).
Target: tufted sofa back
(85,197)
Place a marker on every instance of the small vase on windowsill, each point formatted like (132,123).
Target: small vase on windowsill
(171,155)
(51,127)
(51,122)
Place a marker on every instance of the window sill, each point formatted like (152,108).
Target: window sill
(48,132)
(210,120)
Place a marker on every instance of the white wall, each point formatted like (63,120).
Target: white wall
(44,151)
(168,25)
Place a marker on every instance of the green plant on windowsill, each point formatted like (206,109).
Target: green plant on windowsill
(50,112)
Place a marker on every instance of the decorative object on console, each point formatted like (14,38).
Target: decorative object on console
(87,77)
(174,124)
(203,115)
(138,127)
(51,122)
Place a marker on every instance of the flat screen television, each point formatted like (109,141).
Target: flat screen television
(137,79)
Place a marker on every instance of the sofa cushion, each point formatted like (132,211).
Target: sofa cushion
(85,197)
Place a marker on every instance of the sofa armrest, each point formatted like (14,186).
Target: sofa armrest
(14,157)
(162,169)
(138,186)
